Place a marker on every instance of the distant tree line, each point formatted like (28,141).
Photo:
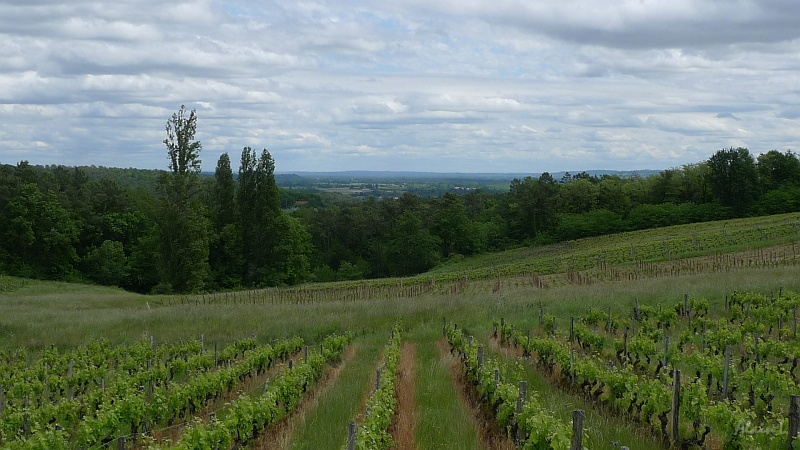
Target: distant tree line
(175,231)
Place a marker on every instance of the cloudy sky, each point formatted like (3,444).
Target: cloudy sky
(431,85)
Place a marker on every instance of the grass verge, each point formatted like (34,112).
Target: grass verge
(444,421)
(326,425)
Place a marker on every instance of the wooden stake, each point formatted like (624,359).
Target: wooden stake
(480,364)
(523,389)
(676,404)
(794,418)
(571,329)
(577,430)
(725,372)
(351,435)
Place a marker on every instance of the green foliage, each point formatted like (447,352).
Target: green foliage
(225,249)
(183,230)
(373,432)
(593,223)
(107,264)
(259,206)
(182,149)
(733,178)
(183,237)
(778,170)
(538,426)
(531,206)
(246,416)
(56,220)
(37,235)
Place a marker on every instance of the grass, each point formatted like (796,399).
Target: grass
(68,315)
(326,425)
(443,421)
(603,429)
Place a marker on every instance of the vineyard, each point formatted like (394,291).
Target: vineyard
(684,337)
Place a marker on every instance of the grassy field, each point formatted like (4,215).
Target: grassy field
(38,314)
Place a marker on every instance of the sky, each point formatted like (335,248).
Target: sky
(520,86)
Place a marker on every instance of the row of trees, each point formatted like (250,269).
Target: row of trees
(227,234)
(185,232)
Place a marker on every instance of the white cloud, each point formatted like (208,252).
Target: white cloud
(502,85)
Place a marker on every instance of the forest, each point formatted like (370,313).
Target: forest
(175,231)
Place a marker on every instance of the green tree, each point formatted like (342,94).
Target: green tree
(182,149)
(276,248)
(453,227)
(183,237)
(577,196)
(225,249)
(733,178)
(37,235)
(259,203)
(292,252)
(411,248)
(107,264)
(777,170)
(611,195)
(532,206)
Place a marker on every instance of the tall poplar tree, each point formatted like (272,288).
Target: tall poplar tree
(276,247)
(183,235)
(225,253)
(260,205)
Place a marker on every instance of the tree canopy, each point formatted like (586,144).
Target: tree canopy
(180,231)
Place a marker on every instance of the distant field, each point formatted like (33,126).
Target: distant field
(530,288)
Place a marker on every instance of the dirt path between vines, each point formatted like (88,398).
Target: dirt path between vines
(489,432)
(405,419)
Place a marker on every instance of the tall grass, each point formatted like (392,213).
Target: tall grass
(443,420)
(68,315)
(326,425)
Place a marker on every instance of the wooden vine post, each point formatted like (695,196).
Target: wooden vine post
(523,391)
(572,364)
(676,404)
(794,418)
(571,329)
(351,435)
(480,364)
(577,430)
(725,372)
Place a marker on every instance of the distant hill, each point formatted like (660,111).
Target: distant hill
(372,175)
